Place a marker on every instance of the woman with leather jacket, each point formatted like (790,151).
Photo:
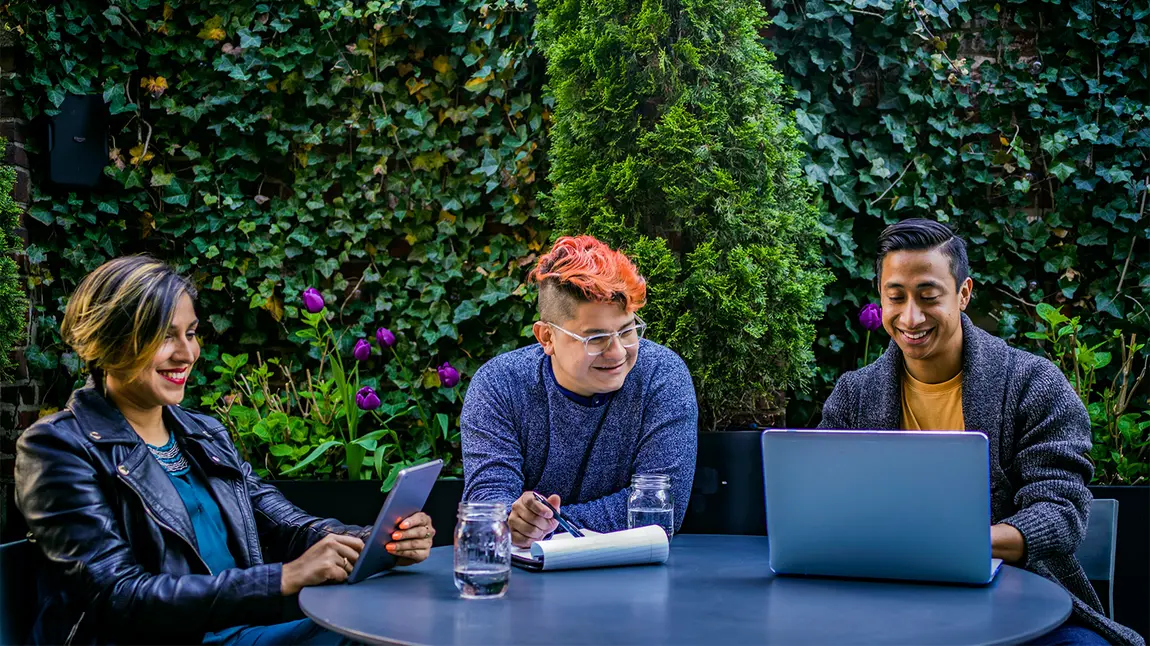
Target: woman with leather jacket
(153,527)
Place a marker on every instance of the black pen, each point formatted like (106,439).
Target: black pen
(563,522)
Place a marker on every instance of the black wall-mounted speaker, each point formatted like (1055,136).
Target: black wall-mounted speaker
(78,141)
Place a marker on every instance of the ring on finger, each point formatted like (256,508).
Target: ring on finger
(346,563)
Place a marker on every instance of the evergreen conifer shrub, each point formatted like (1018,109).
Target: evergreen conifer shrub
(670,139)
(13,301)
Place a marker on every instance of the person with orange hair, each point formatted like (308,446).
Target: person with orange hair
(579,413)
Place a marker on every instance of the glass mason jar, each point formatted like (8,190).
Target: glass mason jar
(482,550)
(651,503)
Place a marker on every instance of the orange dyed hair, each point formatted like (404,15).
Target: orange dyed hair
(584,269)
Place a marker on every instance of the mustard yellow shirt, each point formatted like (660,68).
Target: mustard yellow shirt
(932,407)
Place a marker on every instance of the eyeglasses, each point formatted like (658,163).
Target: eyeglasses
(597,344)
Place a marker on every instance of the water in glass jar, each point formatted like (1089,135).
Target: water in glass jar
(485,583)
(642,517)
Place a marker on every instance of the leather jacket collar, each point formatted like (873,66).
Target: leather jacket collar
(107,428)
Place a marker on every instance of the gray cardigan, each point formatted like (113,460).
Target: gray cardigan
(1039,436)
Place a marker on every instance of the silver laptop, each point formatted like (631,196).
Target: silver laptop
(879,504)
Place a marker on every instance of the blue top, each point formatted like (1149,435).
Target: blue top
(521,432)
(207,522)
(597,399)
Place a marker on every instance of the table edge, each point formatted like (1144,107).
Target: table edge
(375,639)
(348,632)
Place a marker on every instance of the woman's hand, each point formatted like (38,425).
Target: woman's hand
(329,560)
(411,543)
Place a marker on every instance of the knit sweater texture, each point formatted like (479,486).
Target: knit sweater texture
(1039,436)
(520,433)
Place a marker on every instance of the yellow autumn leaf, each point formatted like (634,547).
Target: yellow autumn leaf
(213,29)
(441,64)
(411,239)
(404,69)
(147,224)
(155,86)
(168,11)
(478,83)
(1003,140)
(428,161)
(48,410)
(414,85)
(389,35)
(446,216)
(274,86)
(137,154)
(275,306)
(302,157)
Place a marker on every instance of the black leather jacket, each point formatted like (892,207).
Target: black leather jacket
(122,564)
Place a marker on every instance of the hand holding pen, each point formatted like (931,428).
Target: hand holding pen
(534,517)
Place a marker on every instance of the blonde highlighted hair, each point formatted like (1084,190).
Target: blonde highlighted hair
(118,317)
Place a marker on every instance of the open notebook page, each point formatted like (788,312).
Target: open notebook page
(627,547)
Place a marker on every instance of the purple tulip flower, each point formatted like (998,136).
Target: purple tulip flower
(312,300)
(448,375)
(366,399)
(385,337)
(362,351)
(871,317)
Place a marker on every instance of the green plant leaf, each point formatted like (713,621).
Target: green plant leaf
(1050,314)
(312,457)
(444,424)
(282,450)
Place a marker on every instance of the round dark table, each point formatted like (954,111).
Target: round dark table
(712,589)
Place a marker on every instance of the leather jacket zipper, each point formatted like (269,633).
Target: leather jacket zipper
(75,627)
(155,519)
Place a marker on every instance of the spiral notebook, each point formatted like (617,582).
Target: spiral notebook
(638,546)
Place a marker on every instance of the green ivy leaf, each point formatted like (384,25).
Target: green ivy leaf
(1062,170)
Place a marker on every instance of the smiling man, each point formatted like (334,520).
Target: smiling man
(577,414)
(942,373)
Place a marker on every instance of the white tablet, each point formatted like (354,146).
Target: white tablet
(407,497)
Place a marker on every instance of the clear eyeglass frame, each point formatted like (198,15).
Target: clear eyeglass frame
(597,344)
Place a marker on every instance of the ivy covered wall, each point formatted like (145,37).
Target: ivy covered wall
(386,153)
(1026,126)
(392,154)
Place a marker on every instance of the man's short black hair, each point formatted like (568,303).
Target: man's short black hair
(919,234)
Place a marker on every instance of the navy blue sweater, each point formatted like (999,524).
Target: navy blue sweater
(520,432)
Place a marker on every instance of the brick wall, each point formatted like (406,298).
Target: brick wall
(19,399)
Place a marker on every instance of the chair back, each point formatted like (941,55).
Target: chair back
(1097,550)
(727,495)
(18,591)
